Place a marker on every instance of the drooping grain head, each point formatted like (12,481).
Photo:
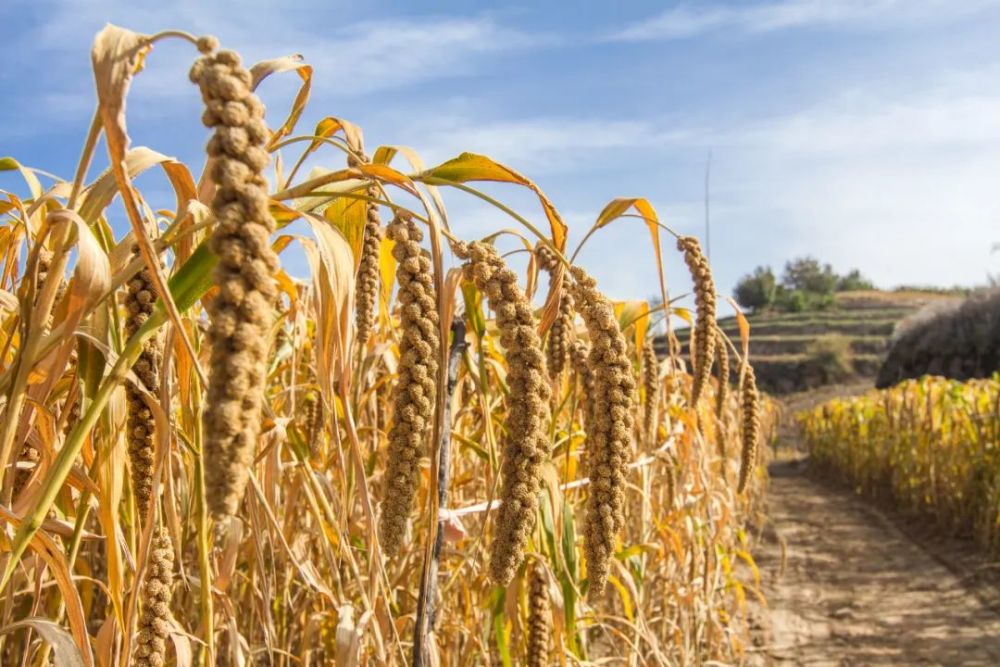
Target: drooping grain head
(609,433)
(749,400)
(241,311)
(651,385)
(580,356)
(539,616)
(366,287)
(558,342)
(140,423)
(722,367)
(312,422)
(525,445)
(415,393)
(703,343)
(154,620)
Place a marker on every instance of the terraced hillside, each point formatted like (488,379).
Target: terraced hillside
(797,351)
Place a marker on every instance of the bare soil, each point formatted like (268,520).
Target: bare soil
(847,584)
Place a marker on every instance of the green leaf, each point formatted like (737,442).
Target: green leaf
(192,280)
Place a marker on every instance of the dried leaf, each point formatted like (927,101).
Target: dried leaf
(64,652)
(471,167)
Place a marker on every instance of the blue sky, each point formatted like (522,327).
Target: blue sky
(866,133)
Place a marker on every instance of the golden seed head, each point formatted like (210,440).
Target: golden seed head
(703,343)
(140,433)
(154,621)
(366,288)
(557,344)
(651,384)
(609,426)
(539,616)
(241,311)
(751,427)
(722,366)
(526,444)
(415,393)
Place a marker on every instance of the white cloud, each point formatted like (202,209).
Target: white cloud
(899,183)
(691,20)
(903,186)
(350,58)
(533,144)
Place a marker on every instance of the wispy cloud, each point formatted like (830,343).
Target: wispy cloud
(540,144)
(351,58)
(692,20)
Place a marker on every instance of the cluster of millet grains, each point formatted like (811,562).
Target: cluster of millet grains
(609,429)
(241,310)
(539,616)
(140,423)
(651,384)
(703,333)
(366,288)
(312,422)
(749,399)
(557,345)
(154,621)
(526,442)
(415,393)
(722,366)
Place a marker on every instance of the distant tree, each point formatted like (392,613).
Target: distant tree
(798,301)
(757,289)
(854,281)
(806,274)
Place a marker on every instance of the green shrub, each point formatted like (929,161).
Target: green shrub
(829,356)
(756,290)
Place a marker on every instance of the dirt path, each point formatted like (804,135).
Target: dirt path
(854,590)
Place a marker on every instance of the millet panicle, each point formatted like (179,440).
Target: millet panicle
(240,313)
(609,433)
(525,445)
(415,392)
(704,332)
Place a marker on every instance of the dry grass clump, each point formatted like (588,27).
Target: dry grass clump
(240,313)
(704,331)
(955,340)
(415,394)
(526,444)
(609,433)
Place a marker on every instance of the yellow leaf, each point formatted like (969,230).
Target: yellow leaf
(617,208)
(471,167)
(265,68)
(744,326)
(387,273)
(624,594)
(349,217)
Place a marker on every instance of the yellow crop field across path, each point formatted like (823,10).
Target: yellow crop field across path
(931,445)
(429,450)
